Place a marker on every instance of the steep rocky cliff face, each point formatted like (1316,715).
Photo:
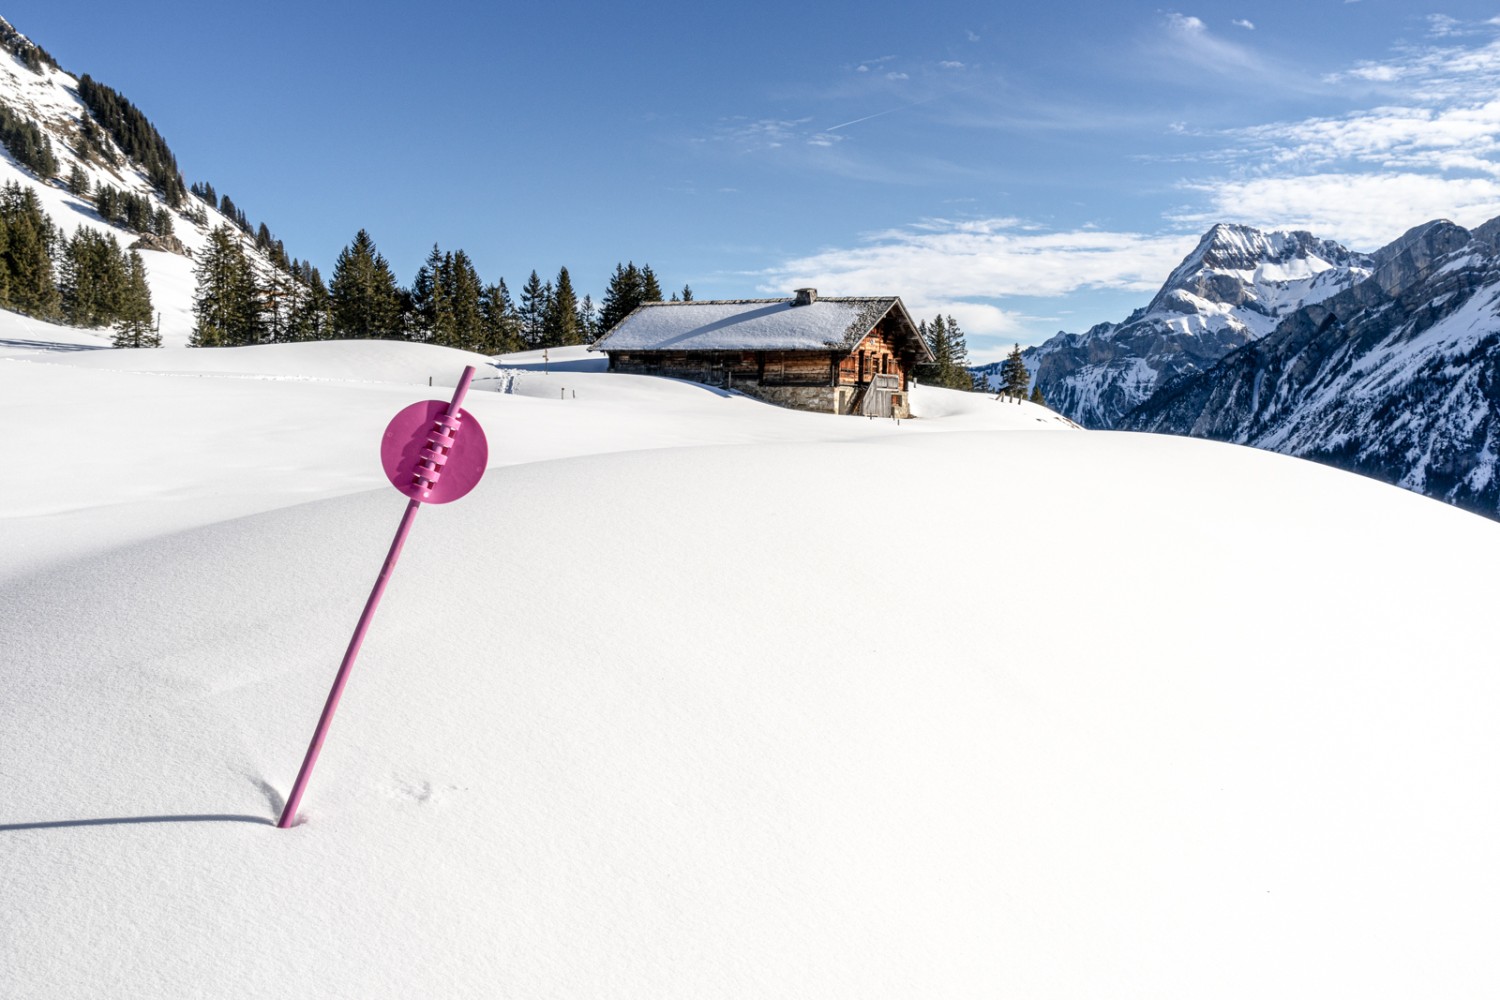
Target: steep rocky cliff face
(1232,289)
(1397,377)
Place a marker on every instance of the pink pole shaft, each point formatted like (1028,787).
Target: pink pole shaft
(289,814)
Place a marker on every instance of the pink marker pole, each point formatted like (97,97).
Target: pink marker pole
(428,460)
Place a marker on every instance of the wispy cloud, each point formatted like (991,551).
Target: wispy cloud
(746,135)
(1190,39)
(965,267)
(1429,149)
(1242,23)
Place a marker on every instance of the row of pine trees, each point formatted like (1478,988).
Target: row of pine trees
(85,280)
(447,302)
(950,365)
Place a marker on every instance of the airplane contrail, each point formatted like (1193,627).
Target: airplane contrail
(834,128)
(889,111)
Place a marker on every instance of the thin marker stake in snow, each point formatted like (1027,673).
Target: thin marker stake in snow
(427,458)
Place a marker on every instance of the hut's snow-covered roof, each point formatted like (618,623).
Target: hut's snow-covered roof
(825,324)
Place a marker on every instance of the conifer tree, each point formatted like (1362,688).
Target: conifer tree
(959,376)
(588,320)
(465,308)
(650,288)
(950,352)
(78,181)
(133,326)
(533,310)
(424,297)
(364,298)
(226,306)
(628,287)
(29,247)
(687,293)
(94,281)
(560,321)
(1036,395)
(502,326)
(934,372)
(310,317)
(1015,380)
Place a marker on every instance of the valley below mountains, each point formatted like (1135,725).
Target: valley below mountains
(1383,364)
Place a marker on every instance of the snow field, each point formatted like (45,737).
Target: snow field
(661,709)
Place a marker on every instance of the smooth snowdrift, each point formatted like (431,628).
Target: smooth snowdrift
(696,697)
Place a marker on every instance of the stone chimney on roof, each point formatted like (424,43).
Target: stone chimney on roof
(805,297)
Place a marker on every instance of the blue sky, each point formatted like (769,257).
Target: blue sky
(1024,167)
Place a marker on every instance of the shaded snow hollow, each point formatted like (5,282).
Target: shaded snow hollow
(658,711)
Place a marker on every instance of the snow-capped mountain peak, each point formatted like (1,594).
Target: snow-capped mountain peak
(1234,287)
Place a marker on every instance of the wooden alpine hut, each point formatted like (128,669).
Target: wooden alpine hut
(834,355)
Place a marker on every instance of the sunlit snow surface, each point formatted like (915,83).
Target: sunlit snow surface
(696,697)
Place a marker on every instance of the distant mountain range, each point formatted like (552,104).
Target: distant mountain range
(1387,364)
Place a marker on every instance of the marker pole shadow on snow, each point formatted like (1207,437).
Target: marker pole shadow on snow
(433,452)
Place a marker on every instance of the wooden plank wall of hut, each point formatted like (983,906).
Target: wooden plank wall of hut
(883,354)
(772,368)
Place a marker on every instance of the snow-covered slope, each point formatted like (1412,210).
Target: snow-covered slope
(1233,288)
(49,97)
(1396,377)
(667,708)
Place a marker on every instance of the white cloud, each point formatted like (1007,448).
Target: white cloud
(972,37)
(1188,38)
(1364,211)
(897,76)
(951,64)
(1444,26)
(1465,138)
(965,266)
(1430,150)
(1240,22)
(766,133)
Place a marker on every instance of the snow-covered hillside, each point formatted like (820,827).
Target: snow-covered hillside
(698,697)
(49,98)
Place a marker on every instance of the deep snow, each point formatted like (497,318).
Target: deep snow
(698,697)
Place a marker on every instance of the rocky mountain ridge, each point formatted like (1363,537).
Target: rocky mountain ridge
(1234,287)
(1396,377)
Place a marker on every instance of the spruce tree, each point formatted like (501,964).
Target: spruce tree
(588,320)
(30,246)
(1015,380)
(94,281)
(1036,395)
(424,297)
(936,371)
(625,291)
(226,306)
(465,305)
(133,327)
(310,318)
(364,298)
(502,326)
(560,321)
(78,181)
(650,288)
(533,310)
(687,293)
